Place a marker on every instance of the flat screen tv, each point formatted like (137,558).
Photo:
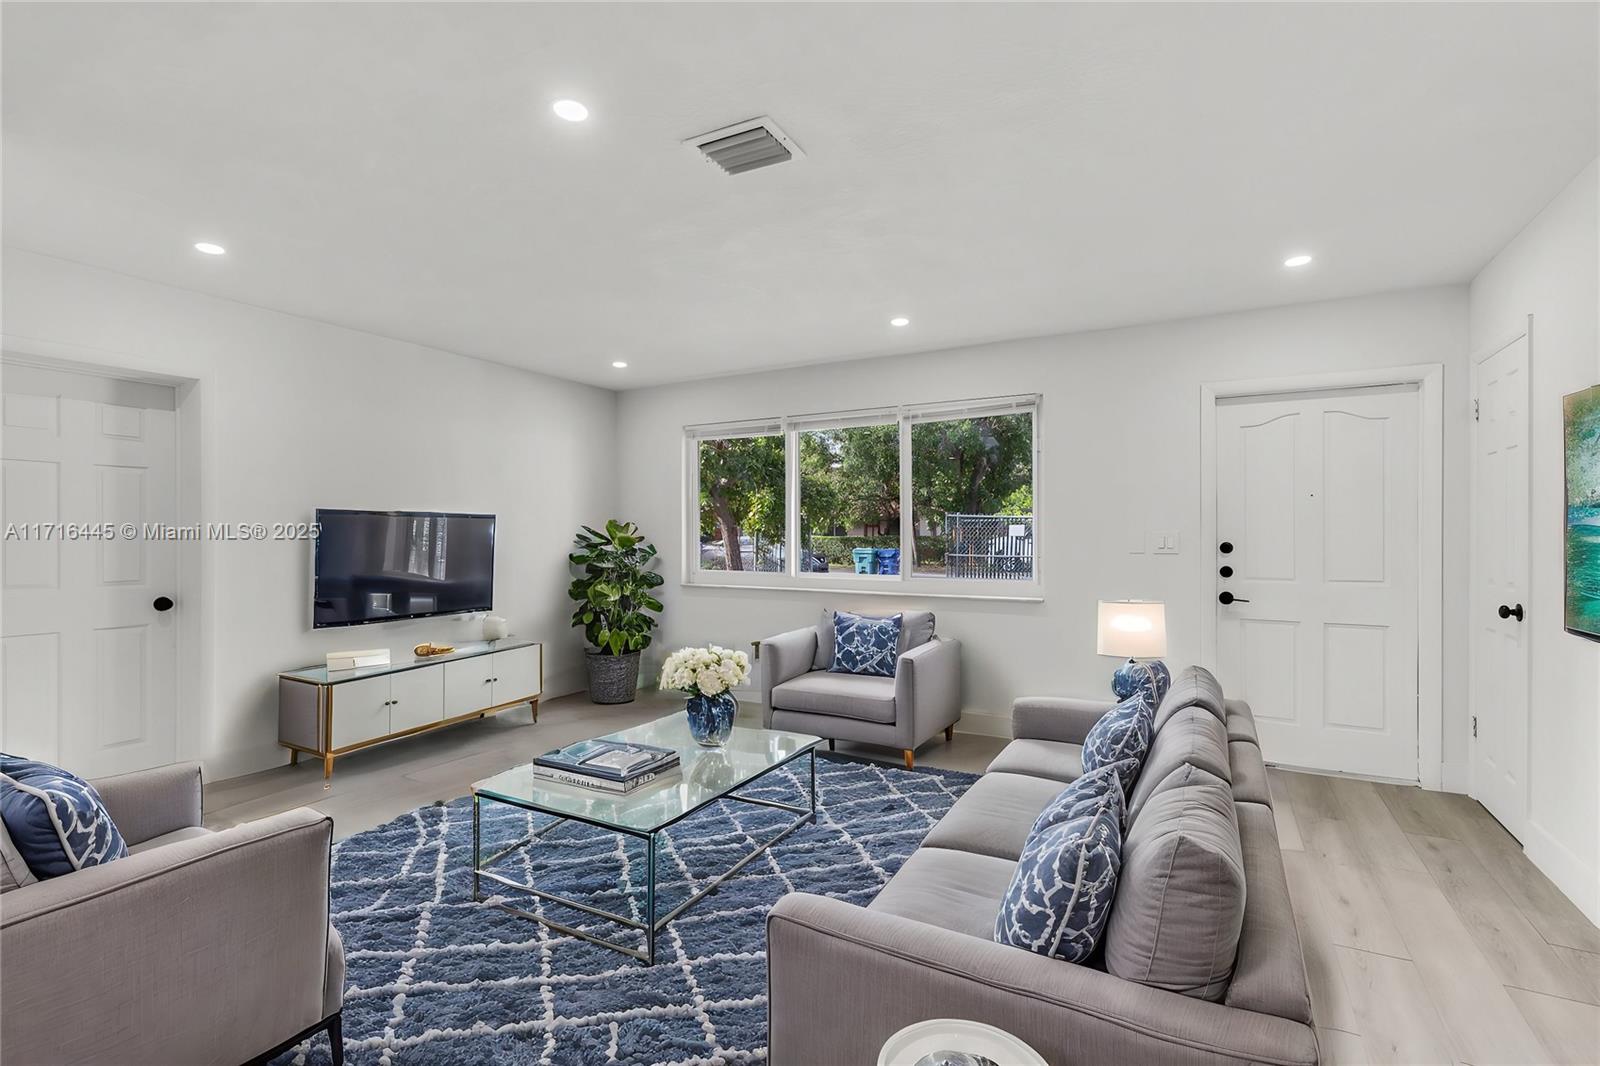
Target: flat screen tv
(382,566)
(1582,456)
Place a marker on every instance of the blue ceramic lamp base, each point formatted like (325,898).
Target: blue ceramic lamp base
(1133,676)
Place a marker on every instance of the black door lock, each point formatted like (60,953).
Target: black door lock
(162,603)
(1511,612)
(1226,547)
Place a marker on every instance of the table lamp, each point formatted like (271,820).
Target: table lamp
(1136,629)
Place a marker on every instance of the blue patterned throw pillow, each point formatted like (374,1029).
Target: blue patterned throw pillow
(865,645)
(1121,736)
(1060,895)
(55,818)
(1085,795)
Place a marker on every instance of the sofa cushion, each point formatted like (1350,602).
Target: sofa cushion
(995,815)
(55,818)
(1269,974)
(1181,895)
(1240,722)
(860,696)
(863,645)
(1060,894)
(14,872)
(1120,737)
(1193,687)
(955,890)
(1192,736)
(1249,773)
(188,832)
(916,629)
(1055,759)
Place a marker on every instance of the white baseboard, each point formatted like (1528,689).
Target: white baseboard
(985,724)
(1558,862)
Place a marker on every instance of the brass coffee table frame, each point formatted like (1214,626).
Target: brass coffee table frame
(651,925)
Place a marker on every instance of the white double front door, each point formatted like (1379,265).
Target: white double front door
(89,661)
(1317,530)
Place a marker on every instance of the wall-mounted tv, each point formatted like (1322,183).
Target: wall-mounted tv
(382,566)
(1582,454)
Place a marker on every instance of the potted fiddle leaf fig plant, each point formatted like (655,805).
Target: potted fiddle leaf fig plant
(615,605)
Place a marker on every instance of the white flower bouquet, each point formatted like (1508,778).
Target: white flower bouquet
(705,671)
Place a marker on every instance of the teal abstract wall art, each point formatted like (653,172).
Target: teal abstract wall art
(1581,446)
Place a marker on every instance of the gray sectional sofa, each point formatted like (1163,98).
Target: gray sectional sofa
(1200,961)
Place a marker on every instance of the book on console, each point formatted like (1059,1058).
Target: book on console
(609,760)
(600,784)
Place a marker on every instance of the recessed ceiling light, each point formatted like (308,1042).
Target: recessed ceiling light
(209,248)
(570,110)
(1297,261)
(900,320)
(619,364)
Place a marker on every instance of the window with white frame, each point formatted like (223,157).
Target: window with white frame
(927,494)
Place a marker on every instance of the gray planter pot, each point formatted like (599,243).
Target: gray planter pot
(612,678)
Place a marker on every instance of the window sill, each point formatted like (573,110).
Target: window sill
(907,589)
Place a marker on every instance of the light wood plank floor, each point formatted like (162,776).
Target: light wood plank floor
(1428,936)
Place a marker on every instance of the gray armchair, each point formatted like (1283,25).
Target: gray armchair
(197,948)
(922,699)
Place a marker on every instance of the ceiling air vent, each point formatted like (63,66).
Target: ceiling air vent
(748,145)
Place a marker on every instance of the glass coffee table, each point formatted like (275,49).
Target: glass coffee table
(705,776)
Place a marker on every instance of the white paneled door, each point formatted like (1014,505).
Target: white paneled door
(1500,585)
(1317,521)
(89,670)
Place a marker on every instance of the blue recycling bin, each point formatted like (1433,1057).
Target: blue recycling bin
(888,560)
(866,560)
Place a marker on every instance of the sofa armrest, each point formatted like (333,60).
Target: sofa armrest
(784,657)
(1060,718)
(927,689)
(148,803)
(831,959)
(213,949)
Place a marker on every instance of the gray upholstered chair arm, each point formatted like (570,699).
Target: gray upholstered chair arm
(1055,717)
(147,803)
(927,682)
(212,949)
(783,658)
(828,959)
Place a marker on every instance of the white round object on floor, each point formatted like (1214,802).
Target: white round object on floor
(917,1042)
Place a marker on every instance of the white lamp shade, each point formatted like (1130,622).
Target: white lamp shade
(1132,629)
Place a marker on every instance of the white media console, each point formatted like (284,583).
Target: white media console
(329,713)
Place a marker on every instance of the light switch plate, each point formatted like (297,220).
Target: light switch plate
(1164,542)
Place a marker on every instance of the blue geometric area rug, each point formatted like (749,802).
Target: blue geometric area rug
(434,978)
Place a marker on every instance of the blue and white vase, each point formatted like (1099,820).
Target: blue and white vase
(1151,677)
(711,718)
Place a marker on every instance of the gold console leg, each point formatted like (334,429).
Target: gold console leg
(910,758)
(294,756)
(327,767)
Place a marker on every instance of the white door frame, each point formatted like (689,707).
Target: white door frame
(1429,379)
(193,632)
(1524,331)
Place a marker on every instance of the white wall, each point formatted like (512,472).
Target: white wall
(1552,271)
(293,414)
(1120,420)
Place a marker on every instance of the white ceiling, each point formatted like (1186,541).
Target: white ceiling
(990,171)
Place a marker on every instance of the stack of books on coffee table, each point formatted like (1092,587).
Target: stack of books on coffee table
(607,765)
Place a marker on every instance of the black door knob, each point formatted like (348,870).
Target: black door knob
(162,603)
(1226,571)
(1511,612)
(1226,598)
(1226,547)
